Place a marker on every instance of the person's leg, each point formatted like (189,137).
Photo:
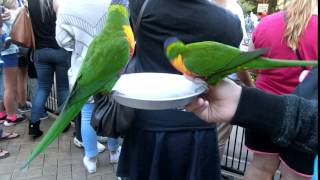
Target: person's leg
(288,174)
(262,166)
(114,149)
(10,88)
(2,110)
(78,127)
(45,73)
(22,79)
(60,60)
(89,138)
(265,160)
(113,144)
(61,71)
(295,164)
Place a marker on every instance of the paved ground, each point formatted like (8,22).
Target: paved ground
(61,160)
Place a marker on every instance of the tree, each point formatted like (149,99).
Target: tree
(247,6)
(251,5)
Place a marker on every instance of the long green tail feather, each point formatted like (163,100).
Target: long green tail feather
(67,114)
(259,63)
(266,63)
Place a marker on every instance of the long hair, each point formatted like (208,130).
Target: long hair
(45,8)
(298,14)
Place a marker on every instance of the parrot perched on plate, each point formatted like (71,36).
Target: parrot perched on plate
(107,55)
(214,61)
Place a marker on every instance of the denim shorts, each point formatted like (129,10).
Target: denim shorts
(10,60)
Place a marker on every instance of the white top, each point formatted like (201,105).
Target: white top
(78,21)
(235,8)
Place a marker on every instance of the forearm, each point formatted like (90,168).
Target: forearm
(288,120)
(260,111)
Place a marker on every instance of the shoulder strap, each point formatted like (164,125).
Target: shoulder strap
(136,29)
(137,25)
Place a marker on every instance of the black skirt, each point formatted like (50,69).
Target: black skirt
(170,155)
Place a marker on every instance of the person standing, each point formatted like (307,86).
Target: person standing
(49,60)
(294,36)
(10,67)
(75,30)
(173,144)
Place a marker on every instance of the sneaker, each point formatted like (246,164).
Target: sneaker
(44,116)
(100,147)
(24,108)
(79,144)
(90,164)
(114,156)
(102,139)
(9,122)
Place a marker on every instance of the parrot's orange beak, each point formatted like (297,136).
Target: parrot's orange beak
(179,65)
(130,37)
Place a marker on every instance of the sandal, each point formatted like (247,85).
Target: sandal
(8,136)
(4,154)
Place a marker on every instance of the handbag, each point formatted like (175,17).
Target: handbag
(22,31)
(109,118)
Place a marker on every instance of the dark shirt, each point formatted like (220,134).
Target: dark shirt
(289,120)
(190,21)
(44,28)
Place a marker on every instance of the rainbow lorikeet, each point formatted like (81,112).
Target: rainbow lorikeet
(214,61)
(107,55)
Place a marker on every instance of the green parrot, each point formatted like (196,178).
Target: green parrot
(214,61)
(107,55)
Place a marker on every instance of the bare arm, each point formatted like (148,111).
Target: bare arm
(245,77)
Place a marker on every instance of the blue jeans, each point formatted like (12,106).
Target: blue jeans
(89,136)
(113,144)
(1,131)
(47,62)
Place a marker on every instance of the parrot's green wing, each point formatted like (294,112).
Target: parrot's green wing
(244,58)
(100,75)
(203,58)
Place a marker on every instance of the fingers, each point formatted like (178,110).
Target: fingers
(197,104)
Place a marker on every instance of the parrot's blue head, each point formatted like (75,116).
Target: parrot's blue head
(173,47)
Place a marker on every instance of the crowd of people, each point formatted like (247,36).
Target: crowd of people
(50,61)
(180,144)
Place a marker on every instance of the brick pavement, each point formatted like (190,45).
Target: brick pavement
(60,161)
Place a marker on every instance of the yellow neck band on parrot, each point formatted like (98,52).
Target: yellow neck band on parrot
(179,65)
(130,37)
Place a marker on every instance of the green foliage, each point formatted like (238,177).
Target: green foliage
(247,6)
(251,5)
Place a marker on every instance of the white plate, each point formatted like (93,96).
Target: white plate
(156,91)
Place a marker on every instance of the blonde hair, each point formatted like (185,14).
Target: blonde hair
(298,14)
